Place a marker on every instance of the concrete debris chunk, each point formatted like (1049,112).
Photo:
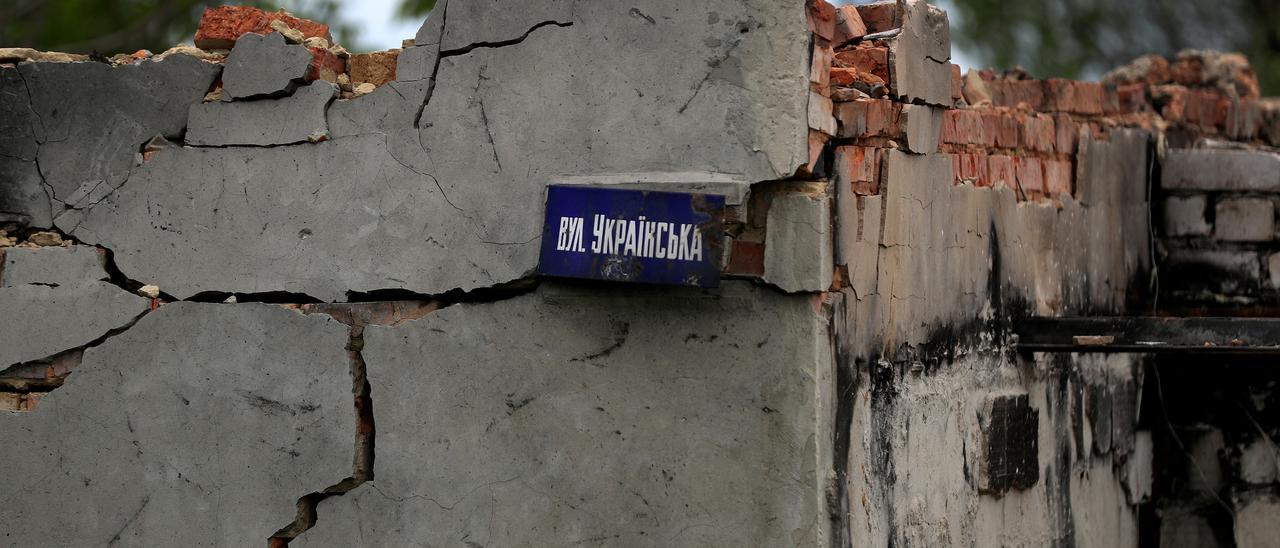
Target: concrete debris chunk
(263,66)
(150,291)
(363,89)
(919,57)
(294,119)
(798,243)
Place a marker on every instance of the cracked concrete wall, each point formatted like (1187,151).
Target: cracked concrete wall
(342,340)
(201,424)
(565,417)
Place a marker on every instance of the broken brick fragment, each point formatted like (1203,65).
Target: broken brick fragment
(376,68)
(221,26)
(1030,175)
(869,118)
(822,18)
(746,258)
(880,16)
(1057,177)
(859,167)
(327,66)
(849,25)
(867,58)
(1001,171)
(1075,97)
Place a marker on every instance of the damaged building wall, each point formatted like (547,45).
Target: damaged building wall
(279,285)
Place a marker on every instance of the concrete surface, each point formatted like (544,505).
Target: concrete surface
(263,65)
(297,118)
(125,452)
(111,111)
(52,266)
(566,416)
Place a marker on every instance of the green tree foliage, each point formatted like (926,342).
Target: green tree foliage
(124,26)
(1084,38)
(415,9)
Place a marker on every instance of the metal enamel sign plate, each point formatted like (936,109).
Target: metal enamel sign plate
(623,235)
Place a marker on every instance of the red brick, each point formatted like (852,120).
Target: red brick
(1244,119)
(1001,170)
(1030,175)
(1072,96)
(1131,98)
(860,166)
(33,399)
(819,66)
(1037,132)
(327,66)
(849,25)
(847,77)
(1057,177)
(1015,93)
(1171,100)
(817,145)
(868,118)
(1207,108)
(880,16)
(822,18)
(1064,134)
(746,258)
(867,58)
(964,127)
(971,167)
(221,26)
(1001,129)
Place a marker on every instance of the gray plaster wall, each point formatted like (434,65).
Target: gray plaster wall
(568,416)
(432,188)
(57,299)
(201,425)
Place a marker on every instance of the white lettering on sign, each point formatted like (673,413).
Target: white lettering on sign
(632,237)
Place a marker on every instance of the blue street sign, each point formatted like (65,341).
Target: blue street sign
(622,235)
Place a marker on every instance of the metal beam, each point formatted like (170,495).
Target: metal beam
(1149,335)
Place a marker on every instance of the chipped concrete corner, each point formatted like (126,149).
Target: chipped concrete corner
(281,293)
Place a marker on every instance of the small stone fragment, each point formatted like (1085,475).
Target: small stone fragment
(193,51)
(363,89)
(407,43)
(150,291)
(316,42)
(292,35)
(18,55)
(46,239)
(344,82)
(339,51)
